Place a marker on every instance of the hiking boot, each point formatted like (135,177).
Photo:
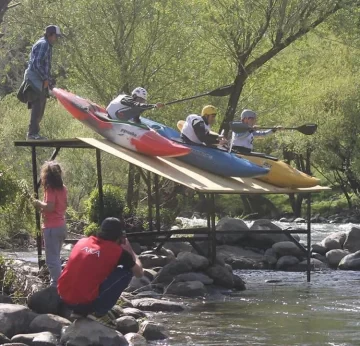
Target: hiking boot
(36,137)
(107,320)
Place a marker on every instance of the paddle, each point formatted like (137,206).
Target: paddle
(222,91)
(306,129)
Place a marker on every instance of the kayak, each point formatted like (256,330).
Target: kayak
(281,174)
(213,160)
(133,136)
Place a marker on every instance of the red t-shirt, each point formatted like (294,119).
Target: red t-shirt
(55,218)
(91,261)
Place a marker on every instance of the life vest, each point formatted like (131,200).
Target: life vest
(118,111)
(188,129)
(243,140)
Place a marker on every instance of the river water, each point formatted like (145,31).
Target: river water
(288,312)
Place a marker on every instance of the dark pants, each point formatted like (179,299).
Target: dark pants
(36,113)
(109,293)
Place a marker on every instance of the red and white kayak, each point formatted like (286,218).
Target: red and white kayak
(136,137)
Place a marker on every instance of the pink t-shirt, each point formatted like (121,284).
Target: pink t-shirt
(56,218)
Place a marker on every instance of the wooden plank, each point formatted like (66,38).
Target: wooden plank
(193,177)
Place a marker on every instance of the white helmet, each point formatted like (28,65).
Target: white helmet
(140,92)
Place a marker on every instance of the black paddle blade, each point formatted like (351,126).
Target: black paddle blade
(223,91)
(239,127)
(307,129)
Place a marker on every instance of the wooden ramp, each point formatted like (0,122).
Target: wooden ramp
(193,177)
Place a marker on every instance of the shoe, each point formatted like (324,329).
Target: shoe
(36,137)
(107,320)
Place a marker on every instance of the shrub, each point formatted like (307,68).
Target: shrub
(91,229)
(114,203)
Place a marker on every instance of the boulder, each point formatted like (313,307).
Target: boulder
(240,258)
(85,332)
(287,248)
(176,248)
(135,339)
(4,299)
(150,274)
(319,257)
(334,241)
(15,319)
(352,241)
(150,260)
(45,301)
(24,338)
(167,274)
(149,294)
(350,262)
(136,247)
(45,339)
(187,289)
(230,224)
(192,276)
(136,313)
(153,331)
(48,323)
(286,262)
(221,276)
(315,264)
(270,256)
(239,283)
(138,283)
(127,324)
(15,344)
(335,256)
(299,220)
(150,304)
(4,339)
(318,248)
(118,311)
(196,262)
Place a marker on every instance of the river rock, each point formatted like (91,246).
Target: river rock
(319,257)
(167,274)
(45,301)
(240,258)
(230,224)
(335,256)
(315,264)
(150,274)
(136,313)
(196,262)
(352,241)
(15,319)
(153,331)
(176,248)
(187,289)
(48,323)
(265,240)
(5,299)
(286,262)
(84,332)
(45,339)
(299,220)
(239,283)
(221,276)
(151,260)
(334,241)
(135,339)
(127,324)
(270,256)
(14,344)
(350,262)
(24,338)
(318,248)
(287,248)
(192,276)
(150,304)
(137,283)
(4,339)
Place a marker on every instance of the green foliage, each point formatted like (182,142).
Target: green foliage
(114,203)
(91,229)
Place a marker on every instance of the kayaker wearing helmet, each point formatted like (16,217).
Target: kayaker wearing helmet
(197,128)
(126,107)
(243,142)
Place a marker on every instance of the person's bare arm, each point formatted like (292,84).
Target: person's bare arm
(137,269)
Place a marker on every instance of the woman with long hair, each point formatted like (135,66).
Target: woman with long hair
(53,208)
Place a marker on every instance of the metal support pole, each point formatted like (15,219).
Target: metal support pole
(157,202)
(308,236)
(208,213)
(100,185)
(150,218)
(37,213)
(213,230)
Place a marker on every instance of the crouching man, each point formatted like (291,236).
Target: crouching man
(98,271)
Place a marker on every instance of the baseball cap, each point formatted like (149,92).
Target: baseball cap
(208,110)
(247,113)
(53,29)
(111,229)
